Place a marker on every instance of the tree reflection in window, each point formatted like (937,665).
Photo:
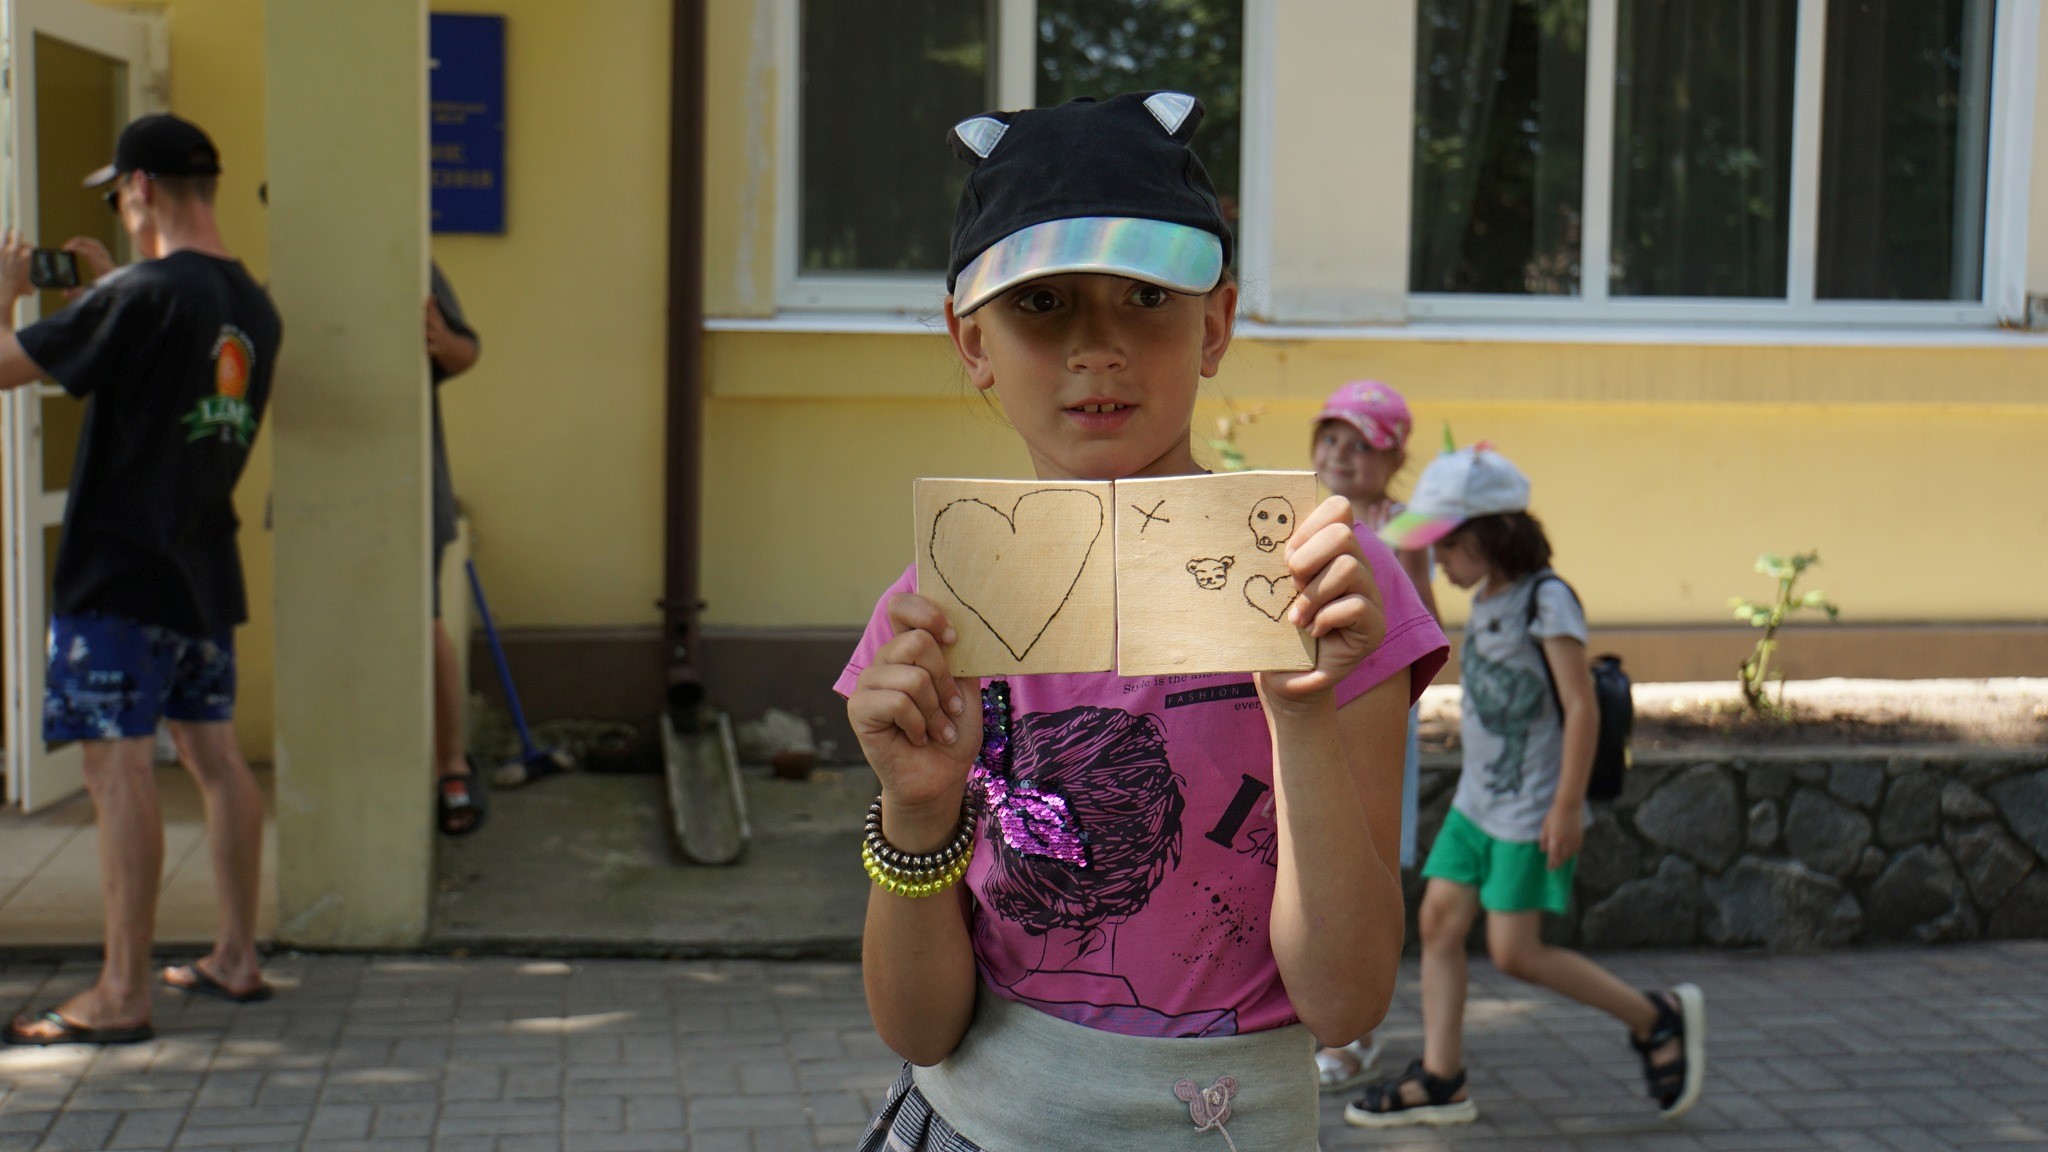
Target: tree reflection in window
(1500,109)
(881,82)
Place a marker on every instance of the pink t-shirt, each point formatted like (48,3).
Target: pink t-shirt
(1123,872)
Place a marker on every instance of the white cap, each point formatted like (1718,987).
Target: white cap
(1456,487)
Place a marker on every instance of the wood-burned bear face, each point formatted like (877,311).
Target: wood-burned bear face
(1211,573)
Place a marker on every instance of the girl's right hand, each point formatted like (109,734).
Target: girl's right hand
(918,726)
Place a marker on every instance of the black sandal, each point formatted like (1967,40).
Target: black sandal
(1383,1105)
(1681,1019)
(455,795)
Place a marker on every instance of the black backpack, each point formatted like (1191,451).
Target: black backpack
(1612,698)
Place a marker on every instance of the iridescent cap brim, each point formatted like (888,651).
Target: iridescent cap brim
(1413,531)
(1173,256)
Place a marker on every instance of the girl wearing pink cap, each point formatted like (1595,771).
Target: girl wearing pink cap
(1360,445)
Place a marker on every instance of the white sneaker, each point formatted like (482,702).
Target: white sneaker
(1334,1066)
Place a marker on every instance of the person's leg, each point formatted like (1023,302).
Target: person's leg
(104,688)
(120,775)
(448,750)
(1432,1090)
(234,834)
(1448,910)
(1515,941)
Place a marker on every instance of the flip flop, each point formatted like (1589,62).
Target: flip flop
(203,984)
(70,1033)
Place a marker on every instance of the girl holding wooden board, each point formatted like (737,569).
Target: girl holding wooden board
(1167,900)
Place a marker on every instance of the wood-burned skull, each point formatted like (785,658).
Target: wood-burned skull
(1211,573)
(1271,522)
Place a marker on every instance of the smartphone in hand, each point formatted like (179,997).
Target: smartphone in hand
(53,268)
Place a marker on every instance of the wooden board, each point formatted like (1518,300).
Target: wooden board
(1201,573)
(1024,569)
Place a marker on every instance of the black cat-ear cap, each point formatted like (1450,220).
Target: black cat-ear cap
(1108,187)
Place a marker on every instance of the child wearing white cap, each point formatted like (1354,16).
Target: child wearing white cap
(1510,841)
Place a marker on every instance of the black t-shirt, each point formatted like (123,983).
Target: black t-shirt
(176,357)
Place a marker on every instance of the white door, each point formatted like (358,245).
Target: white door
(74,73)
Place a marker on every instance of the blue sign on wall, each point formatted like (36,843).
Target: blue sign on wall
(466,111)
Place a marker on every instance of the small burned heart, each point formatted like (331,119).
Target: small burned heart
(1271,597)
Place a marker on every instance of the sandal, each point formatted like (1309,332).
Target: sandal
(1338,1069)
(1681,1018)
(68,1032)
(1383,1105)
(458,796)
(199,982)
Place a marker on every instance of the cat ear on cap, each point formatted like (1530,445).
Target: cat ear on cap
(1177,112)
(973,139)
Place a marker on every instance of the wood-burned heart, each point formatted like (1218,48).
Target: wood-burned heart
(1015,570)
(1270,597)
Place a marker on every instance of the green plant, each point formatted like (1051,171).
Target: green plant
(1756,670)
(1225,440)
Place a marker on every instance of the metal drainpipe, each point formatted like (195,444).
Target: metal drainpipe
(681,603)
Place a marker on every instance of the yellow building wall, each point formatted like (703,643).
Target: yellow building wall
(1660,471)
(556,436)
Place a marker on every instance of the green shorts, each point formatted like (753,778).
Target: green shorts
(1511,875)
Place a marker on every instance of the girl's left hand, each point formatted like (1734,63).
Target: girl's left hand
(1337,602)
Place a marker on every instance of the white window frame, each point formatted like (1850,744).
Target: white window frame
(919,293)
(2002,293)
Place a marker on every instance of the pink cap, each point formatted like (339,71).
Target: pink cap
(1377,411)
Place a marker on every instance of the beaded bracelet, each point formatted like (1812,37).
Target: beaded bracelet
(916,874)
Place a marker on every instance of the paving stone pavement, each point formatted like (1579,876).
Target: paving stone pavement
(1891,1051)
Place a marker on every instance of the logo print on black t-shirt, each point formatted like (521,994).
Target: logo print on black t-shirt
(225,413)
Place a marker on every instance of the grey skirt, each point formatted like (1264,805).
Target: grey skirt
(1023,1080)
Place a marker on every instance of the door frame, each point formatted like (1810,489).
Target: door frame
(38,776)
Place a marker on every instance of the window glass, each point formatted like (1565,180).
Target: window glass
(1703,147)
(1906,121)
(881,81)
(1500,110)
(1102,47)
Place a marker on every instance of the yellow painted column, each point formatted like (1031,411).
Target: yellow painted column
(347,128)
(1337,134)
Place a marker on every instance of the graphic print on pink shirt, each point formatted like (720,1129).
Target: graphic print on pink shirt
(1125,862)
(1105,771)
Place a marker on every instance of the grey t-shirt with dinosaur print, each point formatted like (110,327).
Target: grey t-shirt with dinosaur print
(1510,726)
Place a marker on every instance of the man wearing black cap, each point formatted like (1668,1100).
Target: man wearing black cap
(175,353)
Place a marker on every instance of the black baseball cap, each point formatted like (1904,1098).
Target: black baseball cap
(161,145)
(1104,186)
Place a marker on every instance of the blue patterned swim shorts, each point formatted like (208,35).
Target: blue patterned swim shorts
(113,679)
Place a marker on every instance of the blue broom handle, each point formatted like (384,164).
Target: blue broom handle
(483,608)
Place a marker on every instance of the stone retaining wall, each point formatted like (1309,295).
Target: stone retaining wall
(1804,849)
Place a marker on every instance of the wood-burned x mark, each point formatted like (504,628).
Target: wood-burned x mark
(1150,516)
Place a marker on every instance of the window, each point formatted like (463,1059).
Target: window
(1500,108)
(1744,157)
(878,83)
